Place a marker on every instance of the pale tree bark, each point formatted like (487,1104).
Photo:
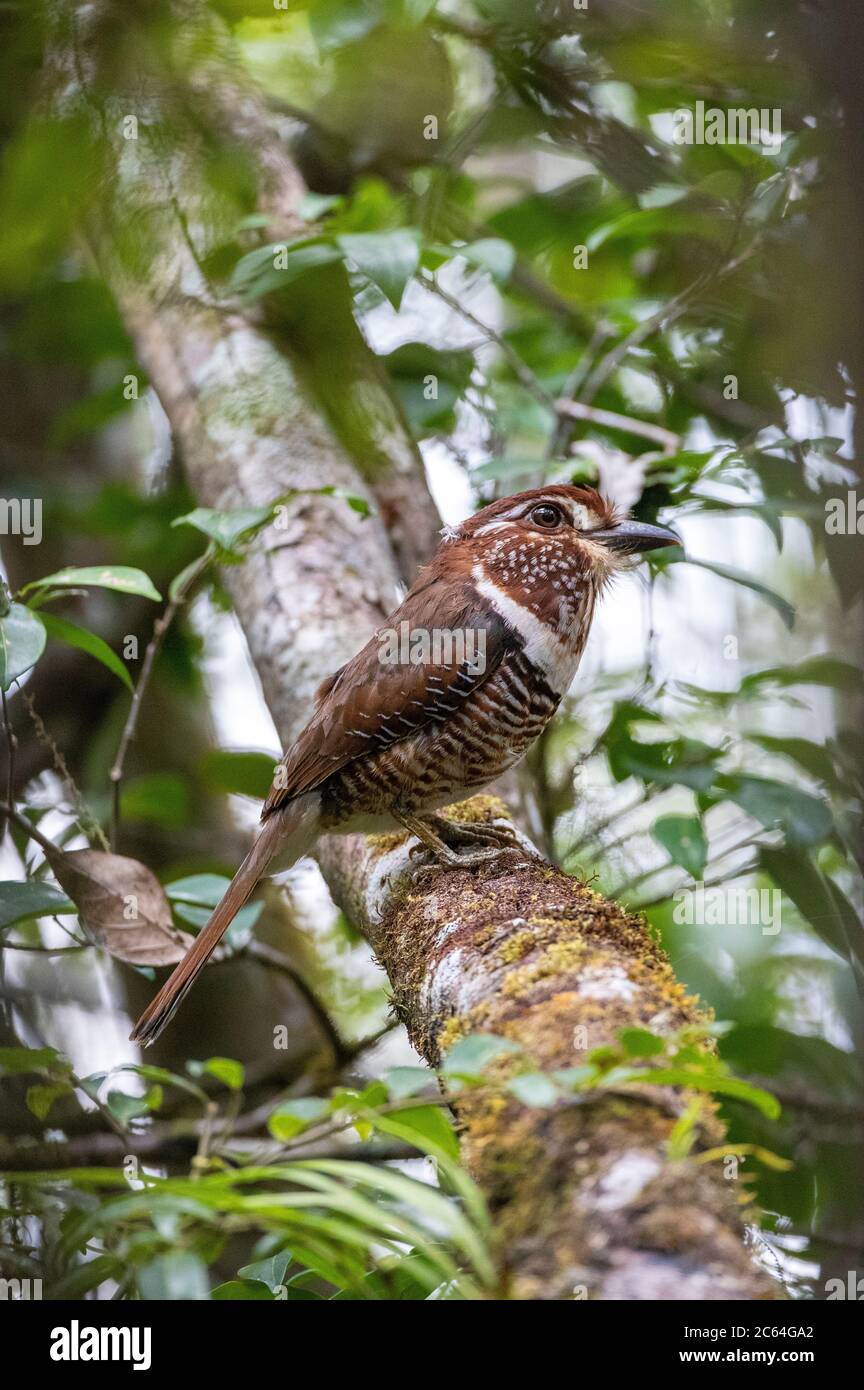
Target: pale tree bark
(585,1200)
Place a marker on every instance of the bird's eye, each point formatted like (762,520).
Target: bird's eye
(546,515)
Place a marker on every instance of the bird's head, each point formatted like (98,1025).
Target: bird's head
(556,530)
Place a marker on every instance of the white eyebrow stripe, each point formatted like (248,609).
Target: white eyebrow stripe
(582,517)
(497,525)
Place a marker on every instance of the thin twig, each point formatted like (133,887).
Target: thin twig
(47,950)
(559,437)
(11,744)
(521,369)
(596,830)
(160,627)
(665,315)
(629,884)
(27,826)
(104,1111)
(201,1158)
(275,960)
(84,816)
(577,410)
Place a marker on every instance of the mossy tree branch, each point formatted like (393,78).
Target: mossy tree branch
(588,1204)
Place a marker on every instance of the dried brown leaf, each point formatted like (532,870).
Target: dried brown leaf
(122,905)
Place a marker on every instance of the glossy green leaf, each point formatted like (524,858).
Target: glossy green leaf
(242,773)
(22,901)
(123,578)
(39,1099)
(408,1081)
(271,1271)
(225,1069)
(243,1289)
(469,1056)
(780,605)
(492,254)
(684,841)
(293,1116)
(228,529)
(22,642)
(641,1042)
(269,269)
(425,1126)
(87,642)
(19,1061)
(804,819)
(388,259)
(534,1088)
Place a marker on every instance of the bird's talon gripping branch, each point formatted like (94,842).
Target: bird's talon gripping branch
(500,618)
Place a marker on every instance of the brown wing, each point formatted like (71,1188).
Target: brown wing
(372,703)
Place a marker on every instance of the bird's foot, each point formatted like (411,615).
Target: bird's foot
(476,833)
(483,848)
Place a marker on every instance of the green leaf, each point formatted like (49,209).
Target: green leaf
(239,772)
(39,1099)
(684,841)
(780,605)
(125,1107)
(388,259)
(316,205)
(293,1116)
(19,1061)
(814,758)
(269,269)
(534,1089)
(88,642)
(804,819)
(22,901)
(815,670)
(88,1276)
(227,529)
(240,930)
(816,898)
(163,798)
(492,254)
(429,383)
(470,1055)
(204,890)
(123,578)
(177,589)
(714,1083)
(164,1077)
(270,1272)
(666,762)
(22,642)
(428,1124)
(248,1289)
(640,1042)
(225,1069)
(178,1277)
(402,1082)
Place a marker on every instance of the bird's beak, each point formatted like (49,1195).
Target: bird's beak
(629,537)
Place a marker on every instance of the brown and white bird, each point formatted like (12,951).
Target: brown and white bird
(411,725)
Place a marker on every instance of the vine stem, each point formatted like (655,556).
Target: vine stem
(177,598)
(12,745)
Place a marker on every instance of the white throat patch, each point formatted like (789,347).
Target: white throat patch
(556,659)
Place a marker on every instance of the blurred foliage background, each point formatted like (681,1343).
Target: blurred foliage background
(555,288)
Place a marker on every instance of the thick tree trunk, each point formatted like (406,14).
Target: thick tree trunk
(586,1201)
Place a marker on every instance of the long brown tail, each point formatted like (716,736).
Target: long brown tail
(289,831)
